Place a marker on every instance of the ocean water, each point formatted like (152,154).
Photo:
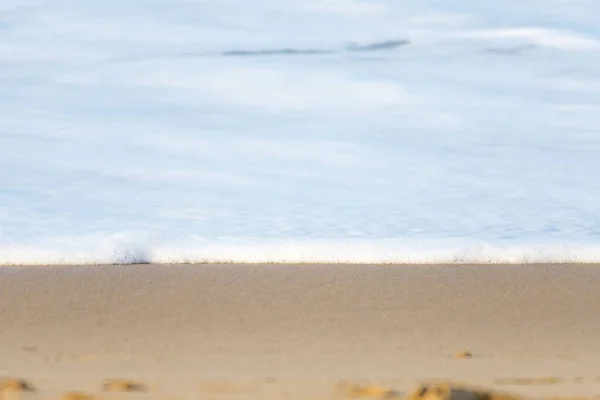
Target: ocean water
(394,131)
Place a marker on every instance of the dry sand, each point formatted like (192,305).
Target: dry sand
(296,331)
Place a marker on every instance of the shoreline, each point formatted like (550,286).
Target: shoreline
(300,264)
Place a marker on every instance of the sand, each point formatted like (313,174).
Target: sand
(297,331)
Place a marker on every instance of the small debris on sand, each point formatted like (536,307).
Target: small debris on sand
(77,396)
(15,385)
(550,380)
(463,354)
(353,390)
(450,391)
(122,385)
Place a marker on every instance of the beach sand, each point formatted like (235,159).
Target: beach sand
(298,331)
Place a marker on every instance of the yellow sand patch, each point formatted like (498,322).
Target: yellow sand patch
(15,385)
(463,354)
(551,380)
(123,385)
(353,390)
(77,396)
(452,391)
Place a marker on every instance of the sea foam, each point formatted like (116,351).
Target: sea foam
(123,249)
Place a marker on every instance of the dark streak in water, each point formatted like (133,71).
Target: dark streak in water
(511,50)
(364,48)
(378,46)
(275,52)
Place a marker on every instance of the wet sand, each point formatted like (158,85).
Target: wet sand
(296,331)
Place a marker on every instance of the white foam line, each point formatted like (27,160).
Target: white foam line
(123,250)
(577,107)
(565,40)
(345,8)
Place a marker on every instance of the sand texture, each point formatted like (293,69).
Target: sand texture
(297,331)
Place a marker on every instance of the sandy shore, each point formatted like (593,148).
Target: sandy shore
(295,331)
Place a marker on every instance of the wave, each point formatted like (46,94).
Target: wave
(511,50)
(374,46)
(276,52)
(378,46)
(128,249)
(386,45)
